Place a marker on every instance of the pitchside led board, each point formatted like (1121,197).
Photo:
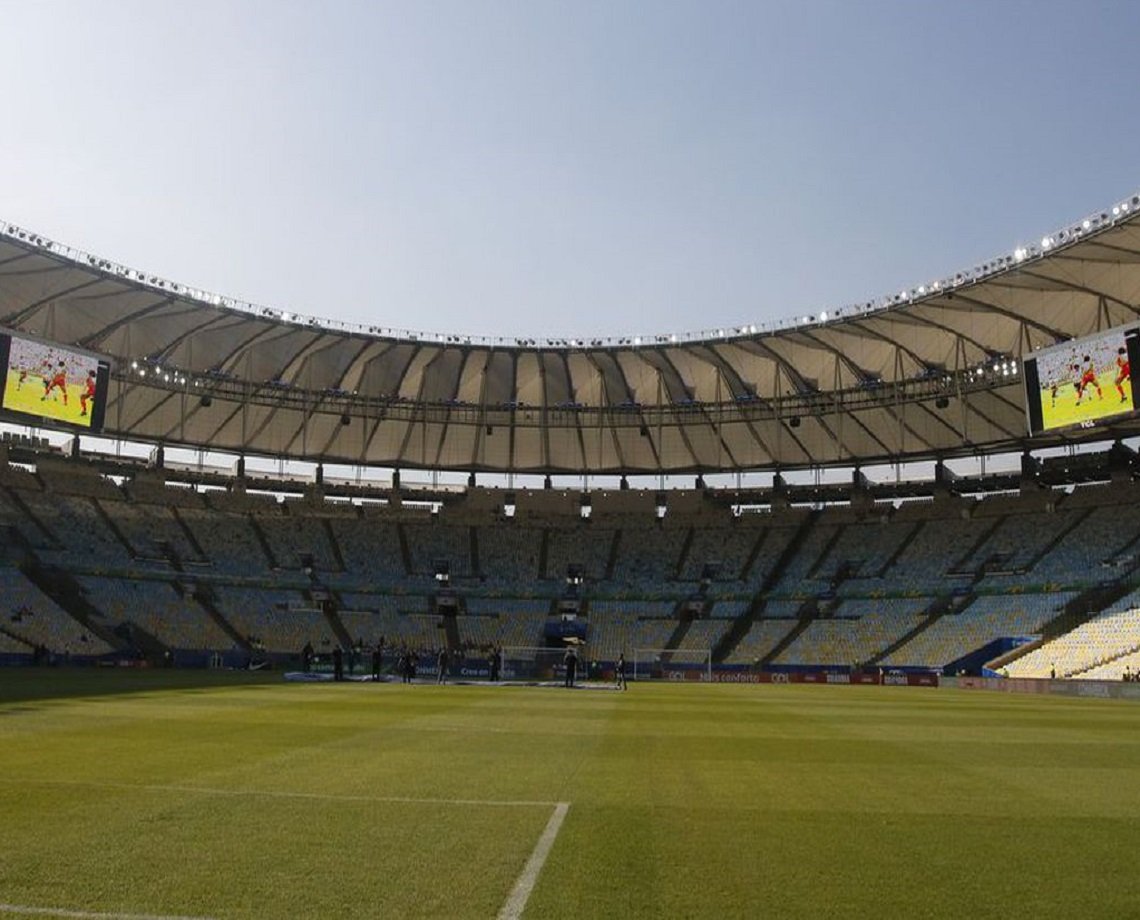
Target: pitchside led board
(1083,382)
(44,381)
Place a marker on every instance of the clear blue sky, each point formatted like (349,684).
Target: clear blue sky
(531,168)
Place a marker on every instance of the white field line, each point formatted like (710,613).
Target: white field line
(265,793)
(516,903)
(512,909)
(27,911)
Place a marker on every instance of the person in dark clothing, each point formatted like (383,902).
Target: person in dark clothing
(307,657)
(377,659)
(619,672)
(441,663)
(496,658)
(570,659)
(338,663)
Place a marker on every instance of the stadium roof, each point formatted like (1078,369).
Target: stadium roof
(932,371)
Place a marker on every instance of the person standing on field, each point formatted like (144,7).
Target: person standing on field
(570,659)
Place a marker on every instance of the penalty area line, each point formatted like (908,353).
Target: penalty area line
(281,794)
(520,894)
(26,910)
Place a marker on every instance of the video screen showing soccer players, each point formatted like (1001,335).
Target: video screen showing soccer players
(1083,381)
(49,381)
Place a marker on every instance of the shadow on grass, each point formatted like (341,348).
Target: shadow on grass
(18,685)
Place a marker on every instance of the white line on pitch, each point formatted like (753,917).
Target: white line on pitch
(319,796)
(27,911)
(516,903)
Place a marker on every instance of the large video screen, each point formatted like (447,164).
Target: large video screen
(1082,382)
(46,381)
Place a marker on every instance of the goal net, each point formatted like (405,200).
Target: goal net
(672,664)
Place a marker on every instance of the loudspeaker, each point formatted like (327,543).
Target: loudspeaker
(942,403)
(346,419)
(205,400)
(794,421)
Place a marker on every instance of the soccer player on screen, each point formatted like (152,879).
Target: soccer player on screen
(1088,377)
(88,394)
(1123,371)
(58,379)
(46,375)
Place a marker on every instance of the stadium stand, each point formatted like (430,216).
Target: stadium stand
(152,564)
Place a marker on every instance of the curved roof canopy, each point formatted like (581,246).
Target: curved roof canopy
(928,372)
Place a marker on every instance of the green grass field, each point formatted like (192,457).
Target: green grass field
(207,795)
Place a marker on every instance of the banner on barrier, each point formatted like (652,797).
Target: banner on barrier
(862,678)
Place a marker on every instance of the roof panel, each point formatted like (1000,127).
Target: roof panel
(863,384)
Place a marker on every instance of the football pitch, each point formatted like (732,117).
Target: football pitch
(179,795)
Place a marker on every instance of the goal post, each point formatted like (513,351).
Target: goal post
(675,664)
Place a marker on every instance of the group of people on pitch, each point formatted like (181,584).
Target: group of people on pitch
(570,665)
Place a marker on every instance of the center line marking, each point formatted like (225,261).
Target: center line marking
(516,903)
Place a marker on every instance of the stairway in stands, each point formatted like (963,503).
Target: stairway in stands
(204,595)
(684,623)
(743,623)
(937,609)
(805,616)
(68,594)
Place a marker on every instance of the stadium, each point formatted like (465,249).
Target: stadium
(208,507)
